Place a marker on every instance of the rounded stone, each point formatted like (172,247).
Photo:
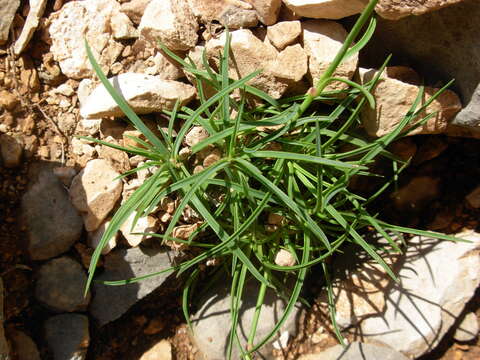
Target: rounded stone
(67,336)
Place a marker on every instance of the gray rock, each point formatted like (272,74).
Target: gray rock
(468,329)
(111,302)
(8,8)
(4,349)
(60,285)
(53,224)
(11,151)
(211,323)
(24,346)
(67,336)
(356,351)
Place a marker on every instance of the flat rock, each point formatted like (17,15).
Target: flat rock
(160,351)
(37,7)
(178,28)
(53,224)
(267,10)
(356,351)
(11,151)
(284,33)
(394,99)
(326,9)
(95,191)
(24,346)
(211,323)
(291,63)
(321,40)
(67,336)
(144,93)
(394,10)
(8,8)
(100,22)
(144,226)
(468,329)
(60,285)
(111,302)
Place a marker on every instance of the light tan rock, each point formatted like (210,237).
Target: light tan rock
(284,258)
(94,238)
(160,351)
(394,99)
(284,33)
(177,28)
(394,9)
(37,7)
(8,8)
(321,40)
(95,191)
(184,231)
(117,158)
(291,63)
(195,135)
(267,10)
(135,9)
(326,9)
(144,226)
(122,27)
(163,66)
(144,93)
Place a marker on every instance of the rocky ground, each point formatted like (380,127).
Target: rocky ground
(56,193)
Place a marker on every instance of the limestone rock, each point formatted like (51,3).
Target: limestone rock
(24,346)
(144,93)
(291,63)
(326,9)
(60,285)
(267,10)
(94,238)
(394,10)
(11,151)
(163,66)
(356,351)
(321,40)
(178,28)
(235,18)
(37,7)
(146,224)
(8,8)
(284,33)
(284,258)
(160,351)
(53,224)
(468,329)
(135,9)
(110,302)
(394,99)
(425,304)
(67,336)
(90,20)
(94,192)
(195,135)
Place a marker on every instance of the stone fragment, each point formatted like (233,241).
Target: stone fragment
(67,336)
(195,135)
(284,258)
(4,348)
(8,8)
(473,198)
(89,20)
(284,33)
(160,351)
(8,100)
(95,191)
(326,9)
(110,302)
(85,88)
(60,285)
(135,9)
(122,27)
(144,226)
(394,100)
(422,307)
(37,7)
(291,63)
(144,93)
(178,28)
(65,174)
(321,40)
(23,345)
(53,224)
(235,18)
(212,322)
(163,66)
(356,351)
(11,150)
(94,238)
(184,231)
(234,14)
(468,329)
(267,10)
(117,158)
(394,10)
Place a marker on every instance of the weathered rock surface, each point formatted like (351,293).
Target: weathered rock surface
(111,302)
(356,351)
(60,285)
(195,135)
(11,151)
(94,238)
(291,63)
(24,346)
(284,33)
(67,336)
(232,13)
(8,8)
(424,305)
(211,323)
(100,22)
(53,224)
(144,225)
(394,99)
(135,9)
(321,40)
(160,351)
(37,7)
(144,93)
(267,10)
(394,10)
(4,348)
(468,329)
(94,192)
(178,28)
(326,9)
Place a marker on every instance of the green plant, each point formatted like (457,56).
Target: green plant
(304,180)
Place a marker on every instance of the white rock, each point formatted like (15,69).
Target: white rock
(94,238)
(284,258)
(144,93)
(122,27)
(85,88)
(177,28)
(425,304)
(284,33)
(394,9)
(143,226)
(195,135)
(8,8)
(321,40)
(80,20)
(267,10)
(468,329)
(88,126)
(95,191)
(164,67)
(326,9)
(37,7)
